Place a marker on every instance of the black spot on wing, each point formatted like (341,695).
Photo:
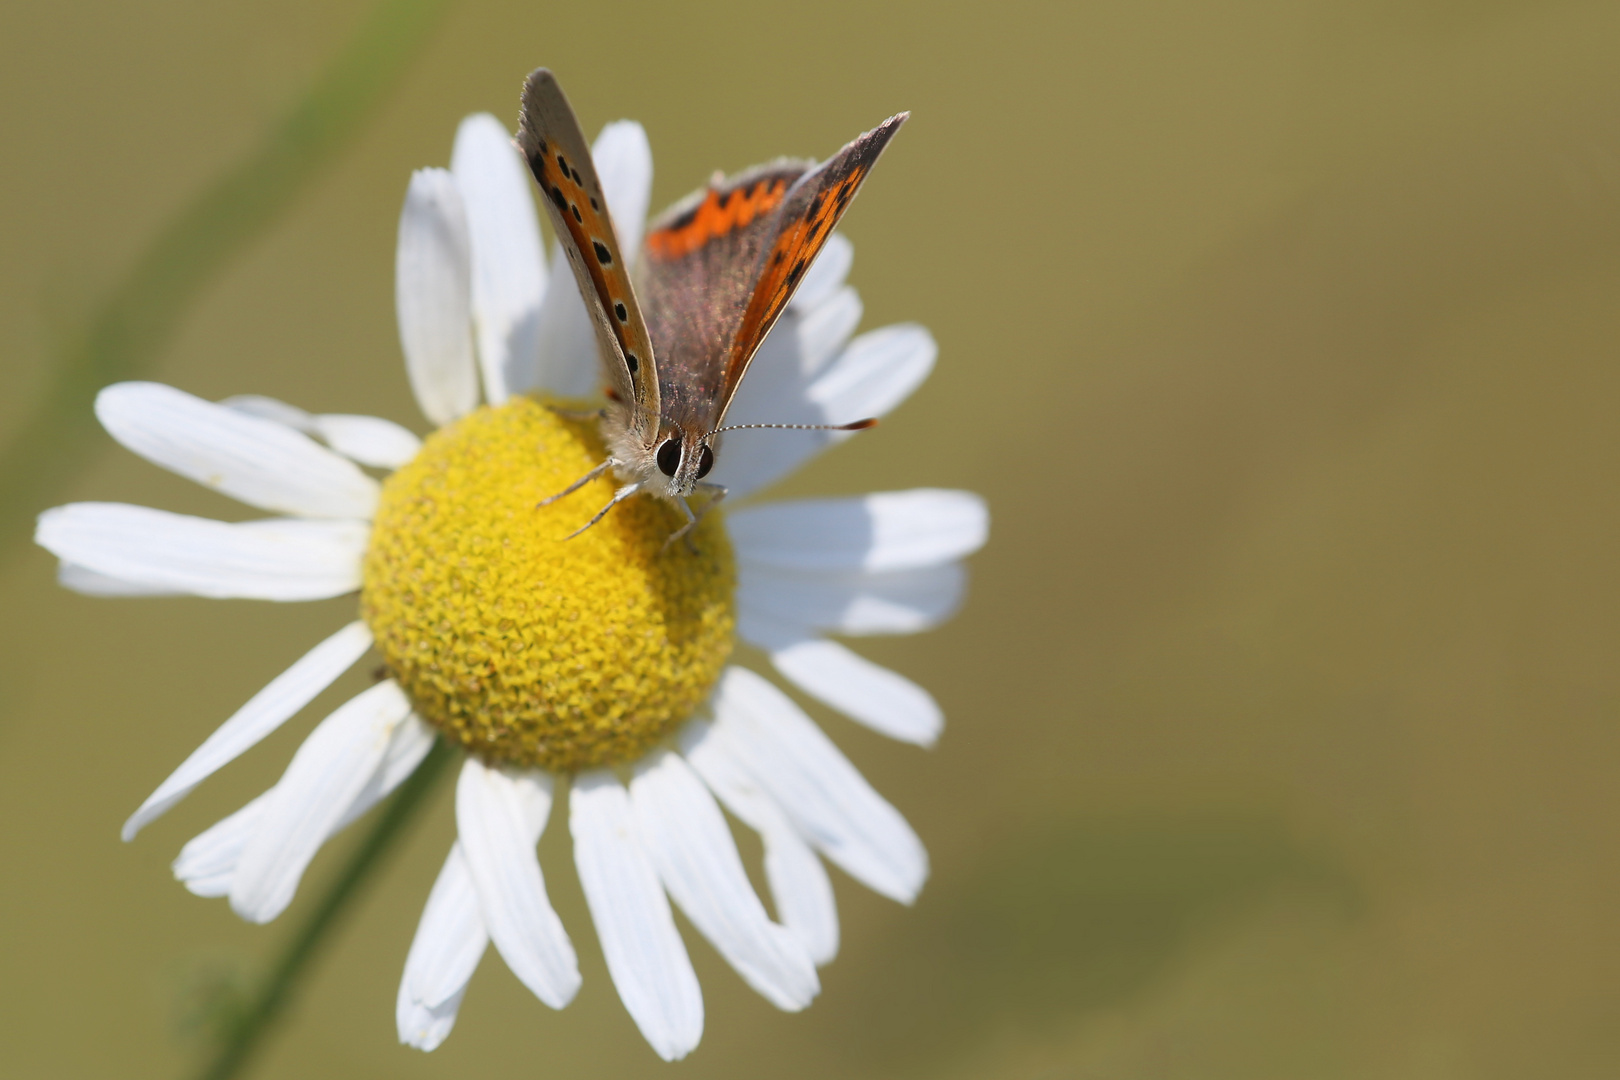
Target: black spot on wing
(595,205)
(557,197)
(562,163)
(631,362)
(575,208)
(618,309)
(603,256)
(575,174)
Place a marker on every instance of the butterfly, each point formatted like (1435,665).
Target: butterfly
(716,272)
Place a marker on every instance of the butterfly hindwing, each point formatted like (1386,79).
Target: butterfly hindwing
(696,276)
(560,159)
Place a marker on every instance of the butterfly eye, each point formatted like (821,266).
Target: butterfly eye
(705,462)
(669,456)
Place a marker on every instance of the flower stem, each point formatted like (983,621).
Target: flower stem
(255,1020)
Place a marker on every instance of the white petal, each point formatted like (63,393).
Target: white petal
(643,950)
(825,328)
(264,712)
(797,879)
(686,837)
(803,893)
(888,703)
(257,461)
(508,265)
(566,345)
(89,583)
(873,374)
(409,744)
(876,372)
(827,273)
(449,942)
(269,408)
(326,774)
(889,530)
(821,792)
(497,812)
(207,865)
(451,937)
(624,165)
(369,440)
(277,559)
(852,602)
(425,1027)
(432,297)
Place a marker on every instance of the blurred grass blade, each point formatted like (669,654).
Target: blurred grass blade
(136,321)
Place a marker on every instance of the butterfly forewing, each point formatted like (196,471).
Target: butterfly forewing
(558,156)
(696,276)
(804,222)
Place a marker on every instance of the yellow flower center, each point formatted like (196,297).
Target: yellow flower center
(523,646)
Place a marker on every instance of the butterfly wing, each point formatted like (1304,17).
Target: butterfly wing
(557,153)
(696,275)
(724,266)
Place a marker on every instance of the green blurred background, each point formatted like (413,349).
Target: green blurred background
(1281,338)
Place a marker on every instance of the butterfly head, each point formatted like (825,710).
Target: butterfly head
(678,461)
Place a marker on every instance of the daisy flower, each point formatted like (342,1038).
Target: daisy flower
(602,662)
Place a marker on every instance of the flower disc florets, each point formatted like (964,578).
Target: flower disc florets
(527,648)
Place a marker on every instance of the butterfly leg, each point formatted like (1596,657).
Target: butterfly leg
(685,531)
(618,497)
(581,482)
(716,493)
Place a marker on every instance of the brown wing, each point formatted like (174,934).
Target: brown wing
(719,269)
(558,156)
(809,213)
(696,276)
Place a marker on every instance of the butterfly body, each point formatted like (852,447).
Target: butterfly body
(715,273)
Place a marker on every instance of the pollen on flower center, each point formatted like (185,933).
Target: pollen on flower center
(523,646)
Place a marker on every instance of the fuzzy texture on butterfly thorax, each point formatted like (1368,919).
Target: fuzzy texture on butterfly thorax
(671,464)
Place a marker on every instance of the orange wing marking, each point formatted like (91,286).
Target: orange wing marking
(795,248)
(717,215)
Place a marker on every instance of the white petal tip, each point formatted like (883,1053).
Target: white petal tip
(252,911)
(425,1029)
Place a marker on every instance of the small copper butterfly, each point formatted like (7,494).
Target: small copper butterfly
(716,272)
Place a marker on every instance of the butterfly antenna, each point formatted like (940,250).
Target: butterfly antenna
(858,425)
